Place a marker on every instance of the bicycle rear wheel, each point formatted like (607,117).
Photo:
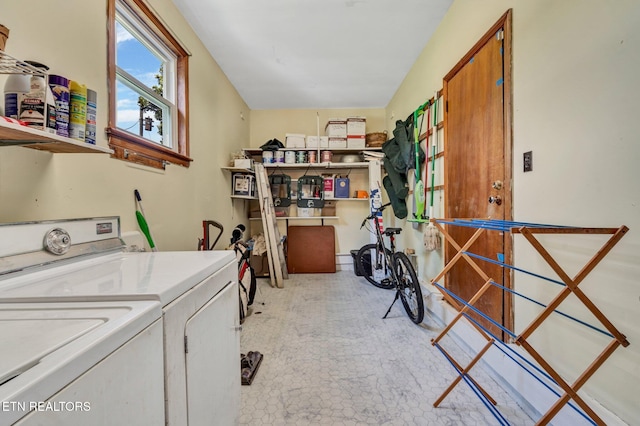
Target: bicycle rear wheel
(409,287)
(372,265)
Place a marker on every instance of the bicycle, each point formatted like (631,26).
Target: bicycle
(385,268)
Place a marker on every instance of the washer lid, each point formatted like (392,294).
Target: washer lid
(162,276)
(31,338)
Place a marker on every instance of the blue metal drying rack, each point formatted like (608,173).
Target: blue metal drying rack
(541,370)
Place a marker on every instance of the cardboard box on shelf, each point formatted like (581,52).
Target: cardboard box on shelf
(328,185)
(295,140)
(336,127)
(337,143)
(342,187)
(329,208)
(354,142)
(312,141)
(356,126)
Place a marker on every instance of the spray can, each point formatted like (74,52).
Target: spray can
(77,110)
(60,89)
(90,129)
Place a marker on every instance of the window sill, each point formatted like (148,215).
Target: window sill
(129,147)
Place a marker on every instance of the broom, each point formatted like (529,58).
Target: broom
(431,233)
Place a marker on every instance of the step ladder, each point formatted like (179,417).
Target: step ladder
(275,250)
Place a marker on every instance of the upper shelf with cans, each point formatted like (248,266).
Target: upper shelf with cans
(14,133)
(316,158)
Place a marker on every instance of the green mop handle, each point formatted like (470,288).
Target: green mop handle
(433,150)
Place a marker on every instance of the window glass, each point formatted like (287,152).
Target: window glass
(148,74)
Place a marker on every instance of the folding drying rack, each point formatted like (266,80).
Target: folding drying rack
(543,371)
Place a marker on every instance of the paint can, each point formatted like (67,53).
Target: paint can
(301,157)
(326,156)
(60,88)
(267,157)
(290,157)
(312,157)
(278,157)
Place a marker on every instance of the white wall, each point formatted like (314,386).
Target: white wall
(71,38)
(575,91)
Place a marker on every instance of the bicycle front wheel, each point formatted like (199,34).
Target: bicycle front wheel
(409,287)
(372,265)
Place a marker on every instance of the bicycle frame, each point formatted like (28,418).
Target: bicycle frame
(381,248)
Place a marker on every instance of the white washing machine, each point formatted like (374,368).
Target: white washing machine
(197,292)
(81,363)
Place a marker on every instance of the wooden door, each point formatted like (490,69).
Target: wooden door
(477,113)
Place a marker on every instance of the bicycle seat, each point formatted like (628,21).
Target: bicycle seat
(391,231)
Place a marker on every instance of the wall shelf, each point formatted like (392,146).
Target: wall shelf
(332,165)
(12,134)
(237,169)
(338,151)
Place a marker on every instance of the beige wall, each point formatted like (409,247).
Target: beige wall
(38,185)
(575,91)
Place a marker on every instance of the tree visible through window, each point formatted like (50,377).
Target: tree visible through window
(148,114)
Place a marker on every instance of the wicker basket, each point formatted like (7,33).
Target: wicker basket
(4,35)
(376,139)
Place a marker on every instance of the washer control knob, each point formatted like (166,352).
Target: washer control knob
(57,241)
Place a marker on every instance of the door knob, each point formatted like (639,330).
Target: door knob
(495,199)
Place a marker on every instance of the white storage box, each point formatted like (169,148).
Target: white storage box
(294,140)
(336,127)
(308,212)
(356,142)
(243,163)
(356,126)
(337,142)
(312,141)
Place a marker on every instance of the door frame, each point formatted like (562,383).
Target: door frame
(505,22)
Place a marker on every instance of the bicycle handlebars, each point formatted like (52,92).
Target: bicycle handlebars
(374,213)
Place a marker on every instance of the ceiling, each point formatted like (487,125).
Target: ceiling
(314,54)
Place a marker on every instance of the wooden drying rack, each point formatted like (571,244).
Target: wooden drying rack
(528,231)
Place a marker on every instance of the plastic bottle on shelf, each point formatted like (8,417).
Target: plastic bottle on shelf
(36,108)
(15,86)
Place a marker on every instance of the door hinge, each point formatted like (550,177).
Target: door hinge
(500,35)
(186,345)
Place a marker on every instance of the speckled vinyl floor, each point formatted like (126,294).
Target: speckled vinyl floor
(330,359)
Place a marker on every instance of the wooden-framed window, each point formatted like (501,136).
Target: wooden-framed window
(148,87)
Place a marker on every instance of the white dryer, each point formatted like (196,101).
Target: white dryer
(197,292)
